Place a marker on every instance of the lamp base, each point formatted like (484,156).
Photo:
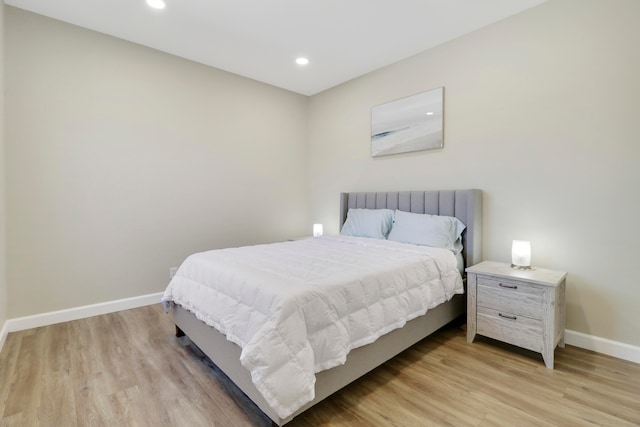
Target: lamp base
(522,267)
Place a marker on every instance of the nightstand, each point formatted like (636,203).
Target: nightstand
(525,308)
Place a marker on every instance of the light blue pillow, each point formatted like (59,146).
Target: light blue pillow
(374,223)
(428,230)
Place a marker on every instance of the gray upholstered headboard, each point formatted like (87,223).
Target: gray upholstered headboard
(466,205)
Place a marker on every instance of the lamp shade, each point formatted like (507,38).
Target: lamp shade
(521,253)
(317,230)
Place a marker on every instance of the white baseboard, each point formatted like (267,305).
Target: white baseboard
(578,339)
(3,334)
(603,345)
(53,317)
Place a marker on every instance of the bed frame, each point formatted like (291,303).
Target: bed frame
(465,205)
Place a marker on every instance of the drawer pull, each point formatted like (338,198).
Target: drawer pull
(507,317)
(502,285)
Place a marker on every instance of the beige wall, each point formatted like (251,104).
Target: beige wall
(3,270)
(542,113)
(122,160)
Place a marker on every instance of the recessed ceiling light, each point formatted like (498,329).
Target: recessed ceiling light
(156,4)
(302,61)
(430,113)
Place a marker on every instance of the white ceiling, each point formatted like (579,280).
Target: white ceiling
(260,39)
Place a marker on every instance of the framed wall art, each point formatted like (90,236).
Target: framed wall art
(408,124)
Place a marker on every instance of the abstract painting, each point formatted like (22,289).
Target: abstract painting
(409,124)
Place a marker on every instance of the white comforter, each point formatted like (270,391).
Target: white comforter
(296,308)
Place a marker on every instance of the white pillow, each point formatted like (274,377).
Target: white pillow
(374,223)
(428,230)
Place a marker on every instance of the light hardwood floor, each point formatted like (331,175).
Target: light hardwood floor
(128,368)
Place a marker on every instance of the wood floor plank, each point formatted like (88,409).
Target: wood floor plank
(128,369)
(26,387)
(8,362)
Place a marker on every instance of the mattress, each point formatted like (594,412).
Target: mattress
(297,308)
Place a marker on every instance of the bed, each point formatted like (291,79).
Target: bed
(224,349)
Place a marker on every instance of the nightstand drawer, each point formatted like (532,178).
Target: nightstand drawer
(514,297)
(510,328)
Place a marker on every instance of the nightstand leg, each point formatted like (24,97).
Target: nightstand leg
(472,309)
(471,334)
(560,296)
(548,346)
(547,356)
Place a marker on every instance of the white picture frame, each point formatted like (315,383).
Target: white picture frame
(413,123)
